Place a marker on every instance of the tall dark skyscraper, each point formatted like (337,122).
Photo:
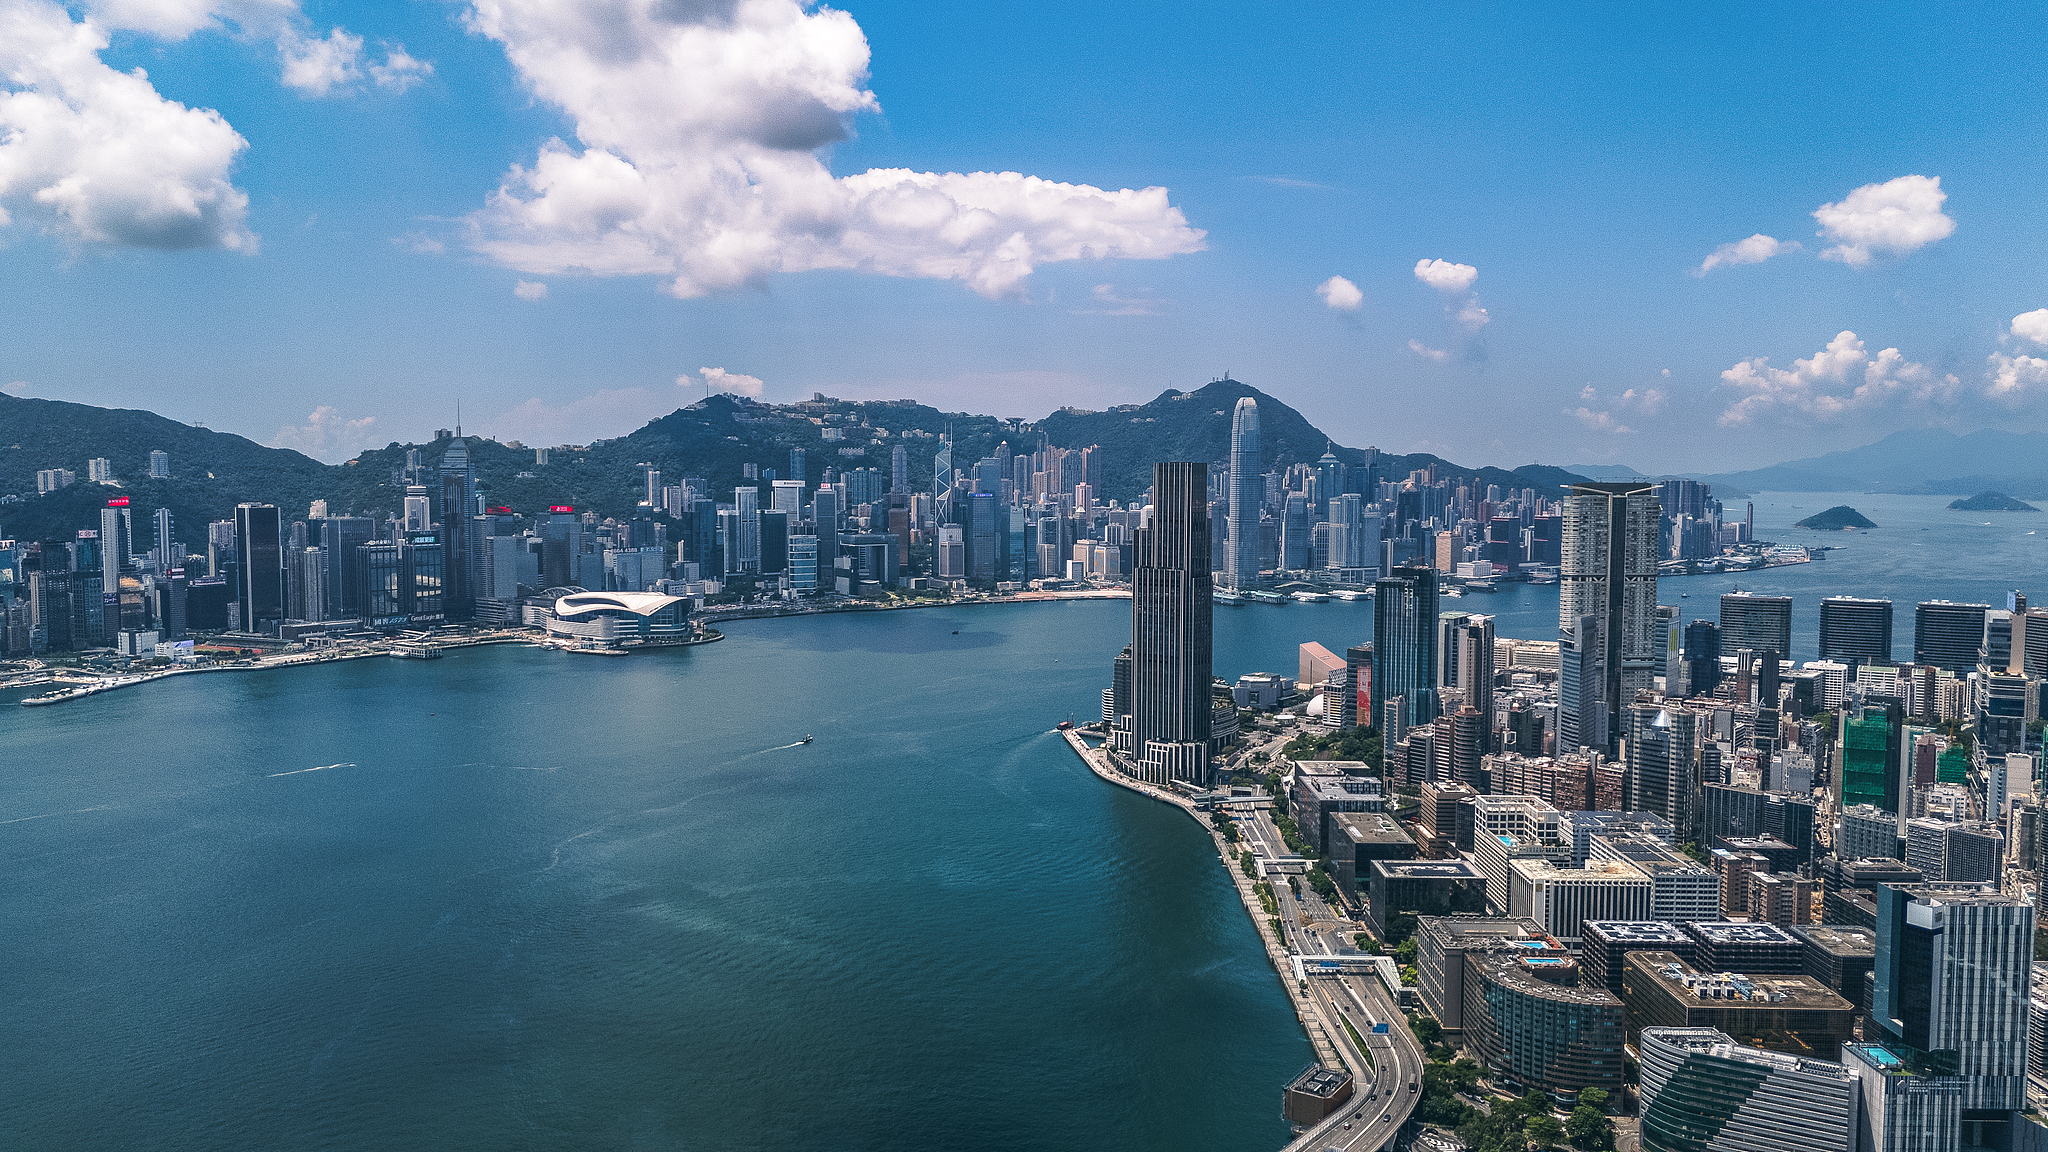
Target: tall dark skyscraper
(259,564)
(1948,635)
(1247,485)
(1758,623)
(458,505)
(1855,631)
(1404,645)
(1171,629)
(1702,657)
(1609,576)
(340,536)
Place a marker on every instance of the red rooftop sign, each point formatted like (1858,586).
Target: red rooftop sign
(560,508)
(118,502)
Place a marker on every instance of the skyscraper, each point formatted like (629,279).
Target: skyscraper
(1948,635)
(340,536)
(117,541)
(899,468)
(1663,763)
(259,566)
(1171,629)
(1758,623)
(1951,991)
(159,465)
(458,505)
(1855,631)
(746,505)
(1404,656)
(1247,493)
(942,482)
(1608,572)
(164,545)
(1702,657)
(986,539)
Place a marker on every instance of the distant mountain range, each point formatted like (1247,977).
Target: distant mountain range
(1921,461)
(713,439)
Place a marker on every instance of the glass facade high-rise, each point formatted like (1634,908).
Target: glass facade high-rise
(1951,988)
(1247,496)
(1948,635)
(259,566)
(1855,631)
(1703,1092)
(1758,623)
(1663,764)
(1405,637)
(1172,629)
(1608,574)
(340,536)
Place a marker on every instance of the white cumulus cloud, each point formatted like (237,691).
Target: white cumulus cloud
(2032,326)
(530,290)
(1755,250)
(327,434)
(1836,380)
(97,155)
(698,125)
(1428,353)
(1340,294)
(1897,216)
(719,380)
(1445,276)
(321,65)
(2013,378)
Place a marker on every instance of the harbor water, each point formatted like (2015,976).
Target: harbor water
(521,899)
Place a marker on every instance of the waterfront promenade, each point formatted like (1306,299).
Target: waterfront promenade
(1337,1012)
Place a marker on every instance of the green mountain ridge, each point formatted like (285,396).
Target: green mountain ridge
(713,439)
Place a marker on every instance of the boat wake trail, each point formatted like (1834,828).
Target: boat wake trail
(321,768)
(47,815)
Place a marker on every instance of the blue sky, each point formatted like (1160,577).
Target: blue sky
(668,171)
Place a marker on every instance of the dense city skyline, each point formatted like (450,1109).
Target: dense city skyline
(1542,216)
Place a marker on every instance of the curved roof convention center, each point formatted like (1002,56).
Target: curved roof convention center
(637,603)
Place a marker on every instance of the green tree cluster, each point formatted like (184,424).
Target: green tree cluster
(1514,1126)
(1321,882)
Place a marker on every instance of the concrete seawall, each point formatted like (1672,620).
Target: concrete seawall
(1328,1052)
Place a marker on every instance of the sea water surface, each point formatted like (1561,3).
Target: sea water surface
(522,899)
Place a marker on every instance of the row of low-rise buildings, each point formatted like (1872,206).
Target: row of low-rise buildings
(1747,1034)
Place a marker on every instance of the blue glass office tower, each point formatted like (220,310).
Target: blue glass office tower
(1404,647)
(1172,630)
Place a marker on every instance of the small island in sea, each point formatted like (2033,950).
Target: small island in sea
(1991,502)
(1840,518)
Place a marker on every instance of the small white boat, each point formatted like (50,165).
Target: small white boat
(1347,594)
(1226,596)
(1310,597)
